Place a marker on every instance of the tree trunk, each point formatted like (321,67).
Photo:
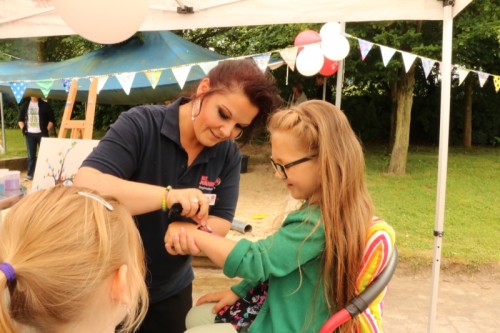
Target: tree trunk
(399,153)
(467,139)
(394,108)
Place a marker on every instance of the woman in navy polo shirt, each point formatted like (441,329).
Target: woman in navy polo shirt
(155,156)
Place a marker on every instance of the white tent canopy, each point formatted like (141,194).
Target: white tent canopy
(33,18)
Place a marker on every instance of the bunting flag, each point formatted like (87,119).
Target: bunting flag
(482,78)
(462,74)
(289,55)
(364,48)
(427,64)
(100,84)
(126,80)
(387,53)
(207,66)
(262,60)
(408,59)
(66,84)
(45,86)
(496,81)
(181,73)
(153,77)
(18,88)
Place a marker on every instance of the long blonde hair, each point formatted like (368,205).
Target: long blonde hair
(345,204)
(62,246)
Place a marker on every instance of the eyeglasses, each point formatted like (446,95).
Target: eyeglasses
(281,168)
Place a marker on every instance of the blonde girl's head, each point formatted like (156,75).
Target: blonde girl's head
(346,207)
(67,246)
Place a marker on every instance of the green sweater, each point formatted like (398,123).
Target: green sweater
(294,302)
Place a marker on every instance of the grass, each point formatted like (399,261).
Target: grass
(408,203)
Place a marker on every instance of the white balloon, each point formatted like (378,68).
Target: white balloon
(310,60)
(335,48)
(329,30)
(103,21)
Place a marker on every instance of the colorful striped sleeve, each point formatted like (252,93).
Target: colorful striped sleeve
(379,248)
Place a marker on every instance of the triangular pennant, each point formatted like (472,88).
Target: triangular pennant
(153,77)
(482,78)
(387,53)
(45,86)
(207,66)
(364,48)
(66,84)
(289,55)
(496,81)
(126,80)
(408,59)
(427,64)
(181,73)
(462,74)
(18,88)
(262,60)
(100,84)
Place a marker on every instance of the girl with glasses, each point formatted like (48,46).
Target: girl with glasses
(172,165)
(324,254)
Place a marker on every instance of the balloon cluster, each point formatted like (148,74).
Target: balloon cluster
(321,52)
(104,22)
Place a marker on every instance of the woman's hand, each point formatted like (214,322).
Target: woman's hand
(178,241)
(222,298)
(194,203)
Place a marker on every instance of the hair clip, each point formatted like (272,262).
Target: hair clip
(98,199)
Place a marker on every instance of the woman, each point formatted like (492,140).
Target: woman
(70,261)
(324,254)
(156,156)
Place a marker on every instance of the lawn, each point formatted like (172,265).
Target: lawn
(408,203)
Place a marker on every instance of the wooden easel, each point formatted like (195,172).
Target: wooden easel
(80,129)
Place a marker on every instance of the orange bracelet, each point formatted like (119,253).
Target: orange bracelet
(164,198)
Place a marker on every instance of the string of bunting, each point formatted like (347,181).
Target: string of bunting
(288,55)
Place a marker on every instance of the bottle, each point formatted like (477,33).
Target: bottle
(12,180)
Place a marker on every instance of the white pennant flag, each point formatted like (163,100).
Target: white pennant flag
(427,64)
(387,53)
(262,60)
(100,84)
(126,80)
(482,78)
(408,59)
(289,55)
(462,74)
(181,74)
(207,66)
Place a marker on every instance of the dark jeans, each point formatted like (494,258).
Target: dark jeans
(169,315)
(32,144)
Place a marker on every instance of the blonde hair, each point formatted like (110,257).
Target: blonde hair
(62,246)
(345,204)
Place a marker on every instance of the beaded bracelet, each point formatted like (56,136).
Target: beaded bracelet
(164,198)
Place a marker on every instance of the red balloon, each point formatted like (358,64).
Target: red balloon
(306,37)
(330,67)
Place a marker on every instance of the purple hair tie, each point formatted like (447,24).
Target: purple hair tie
(8,270)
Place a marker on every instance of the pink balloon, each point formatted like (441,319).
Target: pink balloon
(330,67)
(307,37)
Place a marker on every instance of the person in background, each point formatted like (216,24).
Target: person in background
(70,261)
(298,95)
(36,119)
(185,153)
(320,86)
(324,254)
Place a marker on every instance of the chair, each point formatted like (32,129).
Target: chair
(363,300)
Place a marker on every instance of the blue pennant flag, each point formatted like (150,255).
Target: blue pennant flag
(18,88)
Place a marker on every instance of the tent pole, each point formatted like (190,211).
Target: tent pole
(443,155)
(3,146)
(340,75)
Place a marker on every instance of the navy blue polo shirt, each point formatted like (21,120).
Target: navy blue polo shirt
(143,145)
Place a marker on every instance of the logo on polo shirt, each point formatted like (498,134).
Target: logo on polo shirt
(208,185)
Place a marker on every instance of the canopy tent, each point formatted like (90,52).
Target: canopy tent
(29,18)
(163,51)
